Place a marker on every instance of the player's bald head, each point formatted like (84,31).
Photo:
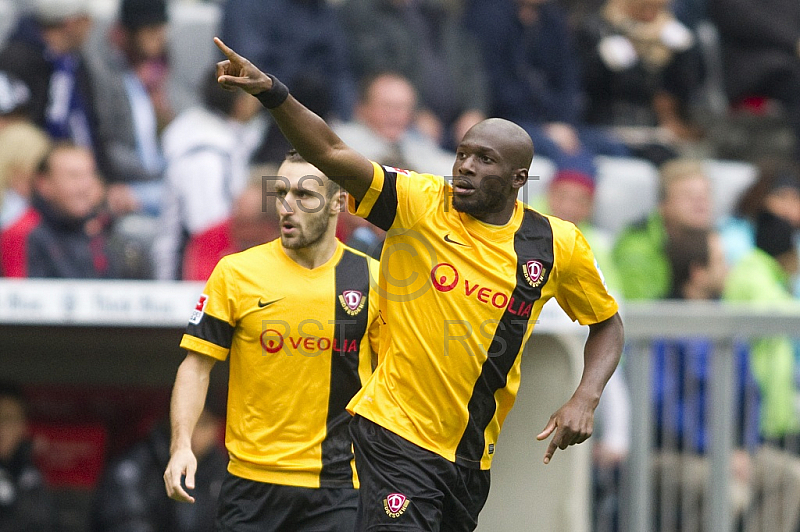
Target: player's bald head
(506,137)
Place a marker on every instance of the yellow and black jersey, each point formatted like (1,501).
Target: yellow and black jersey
(300,344)
(460,299)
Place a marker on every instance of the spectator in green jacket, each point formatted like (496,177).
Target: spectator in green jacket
(639,253)
(571,197)
(763,276)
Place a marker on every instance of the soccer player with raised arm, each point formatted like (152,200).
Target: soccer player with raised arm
(298,321)
(465,271)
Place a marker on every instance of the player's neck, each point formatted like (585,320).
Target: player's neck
(316,254)
(498,218)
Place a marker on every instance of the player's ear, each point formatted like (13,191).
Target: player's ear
(338,203)
(519,177)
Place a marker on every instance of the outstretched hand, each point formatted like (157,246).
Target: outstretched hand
(572,424)
(236,72)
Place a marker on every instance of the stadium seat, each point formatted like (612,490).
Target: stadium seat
(627,191)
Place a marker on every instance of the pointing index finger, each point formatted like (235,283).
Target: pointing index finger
(229,53)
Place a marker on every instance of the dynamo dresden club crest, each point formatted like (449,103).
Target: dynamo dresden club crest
(395,504)
(352,301)
(534,272)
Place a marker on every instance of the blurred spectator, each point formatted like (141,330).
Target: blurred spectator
(423,40)
(570,196)
(697,263)
(760,42)
(777,190)
(15,99)
(22,147)
(69,242)
(681,375)
(300,42)
(640,68)
(253,221)
(130,495)
(534,78)
(762,278)
(207,149)
(365,237)
(44,51)
(639,252)
(383,130)
(26,504)
(130,76)
(691,12)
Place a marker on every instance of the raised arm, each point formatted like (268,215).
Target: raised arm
(188,398)
(306,131)
(573,423)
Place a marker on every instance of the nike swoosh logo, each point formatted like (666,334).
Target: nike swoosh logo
(448,240)
(261,304)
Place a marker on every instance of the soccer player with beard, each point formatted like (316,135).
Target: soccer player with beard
(465,271)
(299,320)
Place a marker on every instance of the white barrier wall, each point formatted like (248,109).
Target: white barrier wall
(526,494)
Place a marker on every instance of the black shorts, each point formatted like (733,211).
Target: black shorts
(405,487)
(249,506)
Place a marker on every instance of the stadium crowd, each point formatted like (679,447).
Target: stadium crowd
(113,166)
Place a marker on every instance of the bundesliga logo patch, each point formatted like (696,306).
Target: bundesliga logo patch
(352,301)
(199,310)
(395,504)
(395,170)
(534,272)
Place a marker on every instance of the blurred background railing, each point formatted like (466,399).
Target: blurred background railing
(724,326)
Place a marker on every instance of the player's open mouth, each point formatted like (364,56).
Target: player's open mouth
(288,228)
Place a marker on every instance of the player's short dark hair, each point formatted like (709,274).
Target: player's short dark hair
(331,187)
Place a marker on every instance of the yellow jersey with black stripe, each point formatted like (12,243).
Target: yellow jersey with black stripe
(459,299)
(300,343)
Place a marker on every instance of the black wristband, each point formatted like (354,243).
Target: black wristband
(275,95)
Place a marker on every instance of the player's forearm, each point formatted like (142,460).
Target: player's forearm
(600,358)
(188,398)
(307,132)
(313,138)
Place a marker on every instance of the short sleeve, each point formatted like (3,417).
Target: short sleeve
(581,290)
(213,320)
